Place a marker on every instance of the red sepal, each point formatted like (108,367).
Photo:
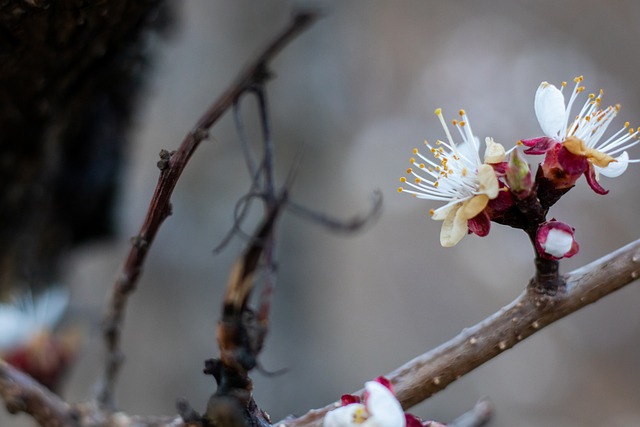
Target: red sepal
(590,174)
(538,145)
(348,399)
(480,224)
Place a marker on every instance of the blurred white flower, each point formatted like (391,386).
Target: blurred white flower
(27,315)
(380,409)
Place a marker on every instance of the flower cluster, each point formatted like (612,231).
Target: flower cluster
(501,188)
(378,408)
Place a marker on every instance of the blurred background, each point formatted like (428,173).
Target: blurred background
(351,98)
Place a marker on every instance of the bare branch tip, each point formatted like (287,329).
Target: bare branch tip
(478,416)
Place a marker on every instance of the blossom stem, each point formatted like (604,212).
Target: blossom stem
(547,279)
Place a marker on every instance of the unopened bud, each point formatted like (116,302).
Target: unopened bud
(518,175)
(555,240)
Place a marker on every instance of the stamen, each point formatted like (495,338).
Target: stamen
(446,130)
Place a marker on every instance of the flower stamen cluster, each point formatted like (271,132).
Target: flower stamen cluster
(457,176)
(575,147)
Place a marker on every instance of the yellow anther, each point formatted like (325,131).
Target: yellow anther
(462,113)
(415,151)
(359,416)
(462,123)
(400,189)
(418,180)
(564,84)
(617,108)
(431,212)
(433,150)
(592,95)
(578,79)
(580,89)
(421,165)
(435,184)
(409,170)
(403,179)
(601,93)
(464,171)
(438,111)
(520,142)
(631,131)
(454,122)
(627,124)
(412,160)
(587,118)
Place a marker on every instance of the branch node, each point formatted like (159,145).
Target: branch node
(165,157)
(139,242)
(199,134)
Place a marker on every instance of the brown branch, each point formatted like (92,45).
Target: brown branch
(431,372)
(21,393)
(171,166)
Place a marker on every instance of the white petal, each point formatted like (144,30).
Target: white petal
(50,306)
(16,327)
(550,109)
(616,168)
(383,407)
(443,211)
(488,182)
(344,416)
(454,227)
(558,243)
(494,153)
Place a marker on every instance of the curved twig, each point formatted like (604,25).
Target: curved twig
(350,225)
(431,372)
(160,206)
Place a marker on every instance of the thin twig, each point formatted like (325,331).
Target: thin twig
(267,157)
(160,207)
(244,140)
(478,416)
(431,372)
(353,224)
(263,177)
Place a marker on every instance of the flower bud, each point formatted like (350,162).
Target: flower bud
(518,175)
(555,240)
